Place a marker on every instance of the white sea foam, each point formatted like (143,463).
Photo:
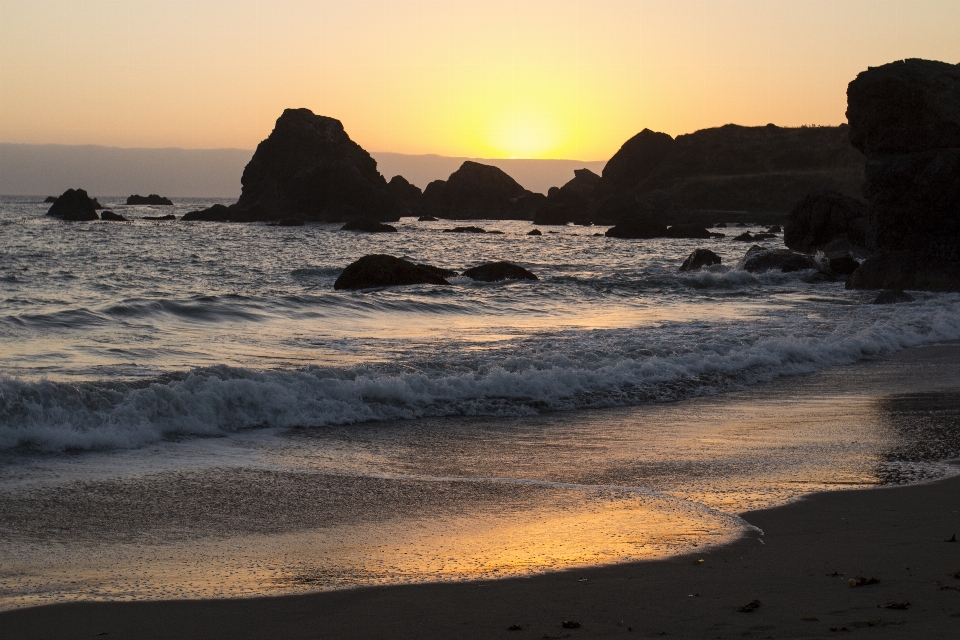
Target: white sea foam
(565,370)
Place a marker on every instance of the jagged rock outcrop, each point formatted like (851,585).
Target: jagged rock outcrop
(406,192)
(906,117)
(476,191)
(577,192)
(700,258)
(368,226)
(309,168)
(74,205)
(110,216)
(497,271)
(152,199)
(759,259)
(826,217)
(379,270)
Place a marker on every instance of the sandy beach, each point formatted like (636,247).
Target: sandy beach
(798,569)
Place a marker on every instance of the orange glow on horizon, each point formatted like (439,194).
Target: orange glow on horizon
(497,78)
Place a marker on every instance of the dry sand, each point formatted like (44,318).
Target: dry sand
(897,535)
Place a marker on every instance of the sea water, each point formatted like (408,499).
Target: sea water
(191,409)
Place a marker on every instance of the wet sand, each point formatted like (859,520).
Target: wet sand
(897,535)
(798,569)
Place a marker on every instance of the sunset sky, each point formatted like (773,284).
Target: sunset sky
(524,78)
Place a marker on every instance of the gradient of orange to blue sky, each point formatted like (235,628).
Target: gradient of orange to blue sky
(524,78)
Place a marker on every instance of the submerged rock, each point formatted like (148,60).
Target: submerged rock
(892,296)
(700,258)
(693,231)
(465,230)
(642,228)
(110,216)
(379,270)
(169,216)
(152,199)
(497,271)
(759,259)
(368,226)
(74,205)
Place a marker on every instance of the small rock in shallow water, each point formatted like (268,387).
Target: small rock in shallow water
(891,296)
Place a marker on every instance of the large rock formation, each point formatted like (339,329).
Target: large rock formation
(406,192)
(635,160)
(906,117)
(309,168)
(826,217)
(734,168)
(74,205)
(380,270)
(476,191)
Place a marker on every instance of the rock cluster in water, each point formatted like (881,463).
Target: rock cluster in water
(309,168)
(74,205)
(905,116)
(152,199)
(379,270)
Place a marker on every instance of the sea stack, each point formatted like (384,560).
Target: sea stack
(905,116)
(309,168)
(74,205)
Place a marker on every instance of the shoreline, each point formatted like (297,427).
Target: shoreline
(896,534)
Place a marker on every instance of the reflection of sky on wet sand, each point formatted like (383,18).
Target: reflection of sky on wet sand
(465,498)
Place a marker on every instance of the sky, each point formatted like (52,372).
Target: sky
(488,79)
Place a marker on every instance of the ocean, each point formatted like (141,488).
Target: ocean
(190,409)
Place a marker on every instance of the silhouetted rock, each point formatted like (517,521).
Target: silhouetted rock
(50,199)
(821,218)
(576,192)
(641,228)
(152,199)
(891,296)
(775,229)
(216,213)
(534,232)
(621,208)
(905,269)
(74,205)
(906,106)
(169,216)
(309,168)
(475,191)
(906,117)
(426,219)
(556,213)
(748,169)
(465,230)
(759,259)
(368,226)
(291,222)
(844,264)
(496,271)
(380,270)
(110,216)
(635,160)
(440,271)
(405,192)
(97,205)
(687,231)
(700,258)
